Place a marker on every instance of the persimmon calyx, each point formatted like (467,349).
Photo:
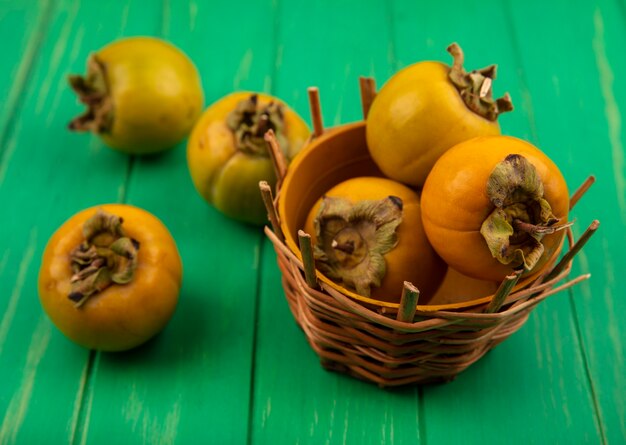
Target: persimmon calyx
(475,87)
(352,239)
(249,122)
(93,91)
(521,218)
(106,257)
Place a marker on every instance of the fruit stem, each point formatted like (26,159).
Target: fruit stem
(345,247)
(475,87)
(534,229)
(105,257)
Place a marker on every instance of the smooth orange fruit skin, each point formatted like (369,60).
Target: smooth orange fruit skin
(416,116)
(455,203)
(122,316)
(413,259)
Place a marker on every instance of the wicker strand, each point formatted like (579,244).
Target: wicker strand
(308,260)
(352,339)
(581,191)
(357,310)
(408,302)
(503,291)
(316,111)
(272,215)
(392,345)
(368,93)
(328,299)
(278,157)
(569,255)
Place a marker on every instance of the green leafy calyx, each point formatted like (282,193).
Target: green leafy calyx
(249,122)
(521,217)
(475,87)
(106,257)
(353,238)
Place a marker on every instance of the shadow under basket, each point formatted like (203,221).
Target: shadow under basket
(385,343)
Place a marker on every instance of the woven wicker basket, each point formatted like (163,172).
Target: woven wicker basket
(385,343)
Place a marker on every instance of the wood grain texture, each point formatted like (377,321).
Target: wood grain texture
(31,18)
(333,409)
(540,368)
(583,78)
(232,366)
(191,384)
(46,175)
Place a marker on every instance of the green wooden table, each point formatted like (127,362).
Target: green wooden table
(232,366)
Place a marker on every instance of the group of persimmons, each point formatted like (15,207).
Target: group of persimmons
(454,193)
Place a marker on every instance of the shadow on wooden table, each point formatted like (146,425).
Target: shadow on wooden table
(180,343)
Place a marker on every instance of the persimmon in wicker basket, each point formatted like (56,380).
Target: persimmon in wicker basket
(368,236)
(386,343)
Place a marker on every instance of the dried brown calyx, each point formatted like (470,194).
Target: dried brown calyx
(106,257)
(352,239)
(93,91)
(249,122)
(475,87)
(521,218)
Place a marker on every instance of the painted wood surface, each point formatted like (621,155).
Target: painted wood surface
(232,366)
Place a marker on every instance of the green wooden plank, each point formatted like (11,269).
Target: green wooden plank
(233,51)
(583,78)
(559,380)
(19,51)
(328,45)
(297,401)
(46,175)
(540,369)
(192,383)
(348,38)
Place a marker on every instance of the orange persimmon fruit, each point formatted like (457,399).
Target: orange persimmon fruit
(368,237)
(494,204)
(426,108)
(110,277)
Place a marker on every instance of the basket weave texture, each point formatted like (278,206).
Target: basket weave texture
(389,345)
(373,345)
